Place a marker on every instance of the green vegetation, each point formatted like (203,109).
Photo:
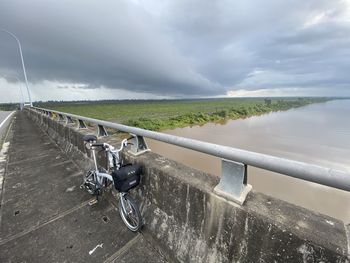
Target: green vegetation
(168,114)
(8,107)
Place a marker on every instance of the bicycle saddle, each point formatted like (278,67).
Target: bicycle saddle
(90,138)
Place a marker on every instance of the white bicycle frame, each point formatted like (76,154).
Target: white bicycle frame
(110,154)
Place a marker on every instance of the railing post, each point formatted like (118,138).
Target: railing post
(233,182)
(61,118)
(101,131)
(81,124)
(41,116)
(69,120)
(138,145)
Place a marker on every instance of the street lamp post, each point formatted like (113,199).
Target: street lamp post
(20,88)
(24,69)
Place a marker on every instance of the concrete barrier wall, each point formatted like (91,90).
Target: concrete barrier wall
(192,224)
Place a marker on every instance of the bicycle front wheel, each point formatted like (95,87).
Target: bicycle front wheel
(90,183)
(129,212)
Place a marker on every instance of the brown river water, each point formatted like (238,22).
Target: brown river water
(317,134)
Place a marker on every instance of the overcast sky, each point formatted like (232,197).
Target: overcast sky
(175,48)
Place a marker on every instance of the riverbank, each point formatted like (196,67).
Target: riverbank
(315,134)
(170,114)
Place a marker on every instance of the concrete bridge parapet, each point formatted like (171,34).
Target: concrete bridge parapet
(191,223)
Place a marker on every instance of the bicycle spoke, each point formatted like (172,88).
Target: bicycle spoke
(133,218)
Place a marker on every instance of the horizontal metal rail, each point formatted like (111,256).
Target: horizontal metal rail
(313,173)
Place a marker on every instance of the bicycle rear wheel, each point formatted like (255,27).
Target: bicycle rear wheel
(129,212)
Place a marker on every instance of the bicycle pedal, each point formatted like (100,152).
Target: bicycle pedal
(93,202)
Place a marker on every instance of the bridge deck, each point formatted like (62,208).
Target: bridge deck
(45,216)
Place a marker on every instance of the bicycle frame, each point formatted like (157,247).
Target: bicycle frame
(111,154)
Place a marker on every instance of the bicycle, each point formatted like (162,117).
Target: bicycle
(124,178)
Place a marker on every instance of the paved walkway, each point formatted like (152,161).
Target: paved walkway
(45,216)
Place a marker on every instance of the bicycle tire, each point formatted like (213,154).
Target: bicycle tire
(129,212)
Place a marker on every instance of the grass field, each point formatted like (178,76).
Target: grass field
(168,114)
(8,107)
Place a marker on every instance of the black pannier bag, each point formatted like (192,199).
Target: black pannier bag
(127,177)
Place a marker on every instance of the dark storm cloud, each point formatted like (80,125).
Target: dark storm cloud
(289,43)
(180,47)
(115,45)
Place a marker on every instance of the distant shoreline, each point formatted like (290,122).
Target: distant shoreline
(222,117)
(164,115)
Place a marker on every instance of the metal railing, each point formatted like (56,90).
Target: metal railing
(233,181)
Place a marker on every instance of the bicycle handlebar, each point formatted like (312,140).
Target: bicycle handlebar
(110,147)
